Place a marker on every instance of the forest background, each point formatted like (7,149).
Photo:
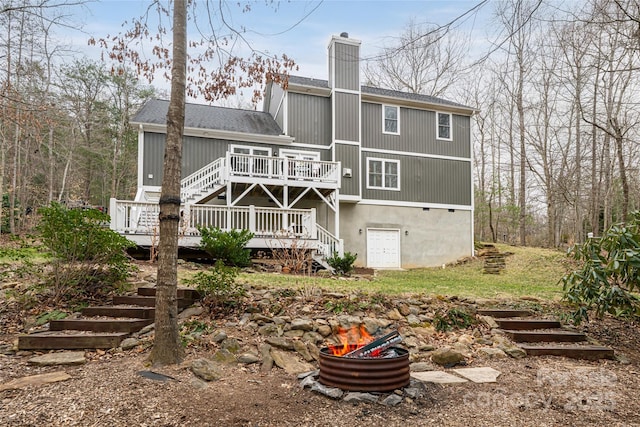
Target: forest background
(555,82)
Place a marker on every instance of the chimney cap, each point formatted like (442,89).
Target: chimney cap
(344,34)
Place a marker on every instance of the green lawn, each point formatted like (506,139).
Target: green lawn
(530,272)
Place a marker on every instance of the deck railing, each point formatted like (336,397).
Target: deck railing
(282,169)
(131,217)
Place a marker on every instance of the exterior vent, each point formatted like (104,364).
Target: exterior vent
(344,35)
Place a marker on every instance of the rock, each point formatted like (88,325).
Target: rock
(332,392)
(420,367)
(198,384)
(289,362)
(267,360)
(411,342)
(280,342)
(313,350)
(462,348)
(224,356)
(189,312)
(392,400)
(303,351)
(466,339)
(492,352)
(446,356)
(404,309)
(413,320)
(357,397)
(269,330)
(294,333)
(129,343)
(302,324)
(248,358)
(219,336)
(324,330)
(230,344)
(50,377)
(147,329)
(63,358)
(205,369)
(514,351)
(489,321)
(260,318)
(348,322)
(428,331)
(394,314)
(312,337)
(426,347)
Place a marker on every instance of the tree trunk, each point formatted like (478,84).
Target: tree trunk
(167,349)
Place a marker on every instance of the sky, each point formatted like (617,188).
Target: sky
(300,29)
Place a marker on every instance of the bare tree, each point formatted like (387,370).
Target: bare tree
(425,59)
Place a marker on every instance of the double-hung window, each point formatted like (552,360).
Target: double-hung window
(391,119)
(444,126)
(383,174)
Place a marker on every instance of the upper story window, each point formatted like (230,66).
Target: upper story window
(391,119)
(383,174)
(444,126)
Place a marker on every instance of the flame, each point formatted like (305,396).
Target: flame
(350,339)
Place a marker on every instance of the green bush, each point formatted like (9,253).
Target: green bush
(89,259)
(227,246)
(343,265)
(218,287)
(609,276)
(452,319)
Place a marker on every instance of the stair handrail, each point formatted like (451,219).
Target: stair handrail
(202,178)
(328,243)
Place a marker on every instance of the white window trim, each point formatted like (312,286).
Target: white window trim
(314,154)
(251,148)
(438,126)
(383,174)
(384,106)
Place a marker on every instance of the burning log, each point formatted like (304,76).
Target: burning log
(366,346)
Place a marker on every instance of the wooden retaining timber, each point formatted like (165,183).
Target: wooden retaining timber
(549,335)
(503,312)
(88,332)
(527,324)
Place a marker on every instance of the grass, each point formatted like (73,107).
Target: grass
(533,272)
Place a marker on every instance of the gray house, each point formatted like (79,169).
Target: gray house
(331,165)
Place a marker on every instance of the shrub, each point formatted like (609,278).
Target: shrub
(227,246)
(453,319)
(218,287)
(609,276)
(343,265)
(89,260)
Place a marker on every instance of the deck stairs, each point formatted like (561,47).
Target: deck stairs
(544,337)
(102,326)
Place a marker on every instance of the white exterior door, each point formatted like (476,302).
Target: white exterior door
(383,248)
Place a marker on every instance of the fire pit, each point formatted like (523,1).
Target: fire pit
(372,367)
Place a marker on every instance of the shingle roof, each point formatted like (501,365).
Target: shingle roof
(210,117)
(305,81)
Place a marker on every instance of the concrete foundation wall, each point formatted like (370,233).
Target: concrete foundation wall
(427,238)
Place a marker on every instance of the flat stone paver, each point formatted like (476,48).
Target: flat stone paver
(438,377)
(479,375)
(62,358)
(39,379)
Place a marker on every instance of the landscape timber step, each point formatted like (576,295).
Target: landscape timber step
(500,313)
(527,324)
(545,336)
(587,352)
(147,301)
(99,325)
(185,293)
(120,311)
(54,340)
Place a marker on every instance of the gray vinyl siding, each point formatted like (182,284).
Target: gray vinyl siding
(349,156)
(196,153)
(309,118)
(424,180)
(417,132)
(347,66)
(347,116)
